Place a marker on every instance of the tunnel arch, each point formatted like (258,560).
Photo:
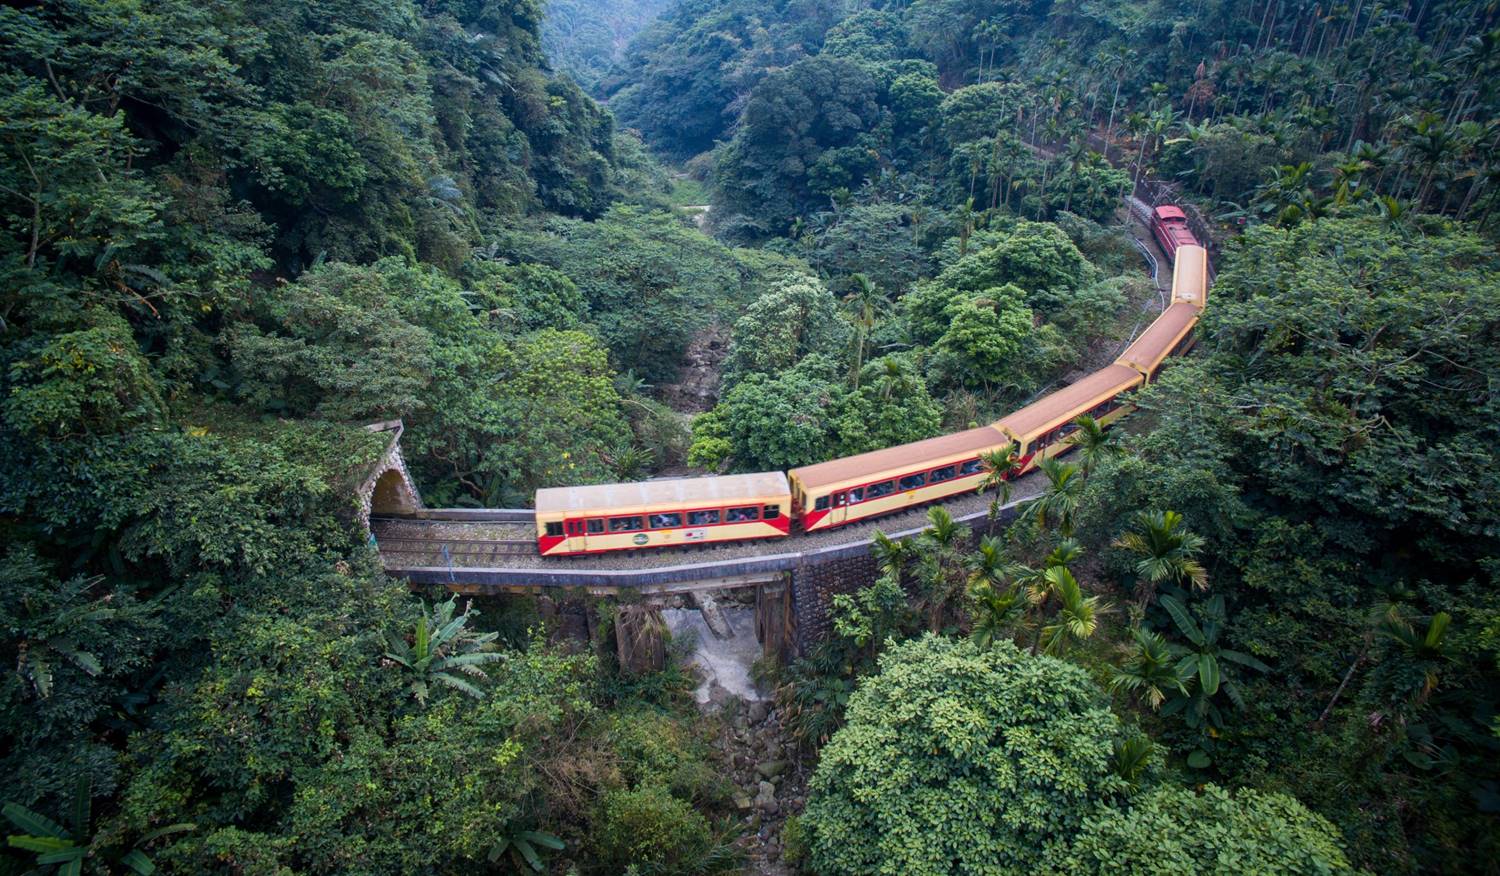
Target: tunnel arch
(389,489)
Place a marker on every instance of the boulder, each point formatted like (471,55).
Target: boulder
(713,615)
(771,769)
(765,798)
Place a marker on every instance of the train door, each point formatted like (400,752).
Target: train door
(838,508)
(577,539)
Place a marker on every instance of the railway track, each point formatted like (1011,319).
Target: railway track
(436,541)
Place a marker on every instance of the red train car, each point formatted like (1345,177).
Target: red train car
(1169,227)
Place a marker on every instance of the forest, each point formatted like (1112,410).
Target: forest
(1253,629)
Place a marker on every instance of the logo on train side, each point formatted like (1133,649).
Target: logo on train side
(641,539)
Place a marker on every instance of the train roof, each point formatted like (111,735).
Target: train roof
(1180,234)
(1190,275)
(1067,403)
(644,496)
(1170,211)
(901,458)
(1157,341)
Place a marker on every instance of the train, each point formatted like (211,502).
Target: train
(577,521)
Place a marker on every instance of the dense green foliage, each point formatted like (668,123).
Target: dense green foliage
(586,38)
(233,234)
(1356,354)
(1303,536)
(1273,111)
(1175,830)
(961,760)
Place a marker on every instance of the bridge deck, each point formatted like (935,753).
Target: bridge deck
(651,572)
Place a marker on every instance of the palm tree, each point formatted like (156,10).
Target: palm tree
(1168,553)
(1094,443)
(1288,195)
(1060,500)
(1149,671)
(994,596)
(1035,582)
(1040,584)
(891,556)
(1432,145)
(1078,147)
(1131,758)
(893,376)
(1077,616)
(440,647)
(865,301)
(998,467)
(1416,676)
(941,559)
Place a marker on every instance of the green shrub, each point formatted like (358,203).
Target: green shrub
(793,840)
(1174,830)
(655,749)
(649,827)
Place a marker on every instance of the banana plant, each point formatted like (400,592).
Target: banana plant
(1204,661)
(66,848)
(51,640)
(522,846)
(441,647)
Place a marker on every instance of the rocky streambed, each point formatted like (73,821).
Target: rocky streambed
(760,759)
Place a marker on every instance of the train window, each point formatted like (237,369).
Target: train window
(884,488)
(821,504)
(626,524)
(911,482)
(946,473)
(839,499)
(554,529)
(596,526)
(703,518)
(739,515)
(665,521)
(856,495)
(770,512)
(970,466)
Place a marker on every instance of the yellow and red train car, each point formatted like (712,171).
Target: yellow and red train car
(841,491)
(1190,276)
(1170,335)
(662,513)
(1042,428)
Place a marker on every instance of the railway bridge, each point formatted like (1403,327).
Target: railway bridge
(494,551)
